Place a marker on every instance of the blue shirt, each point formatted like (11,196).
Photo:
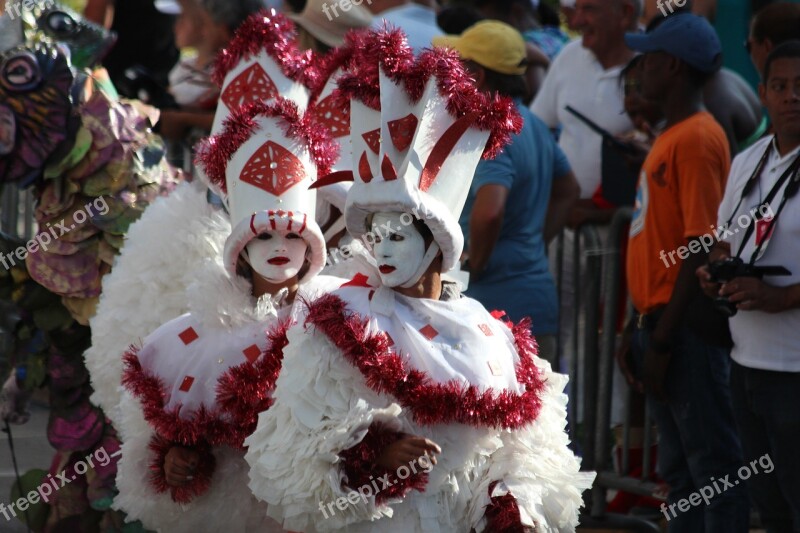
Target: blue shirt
(517,279)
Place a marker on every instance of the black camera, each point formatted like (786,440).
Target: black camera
(725,270)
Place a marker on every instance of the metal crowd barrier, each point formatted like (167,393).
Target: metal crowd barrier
(596,275)
(16,212)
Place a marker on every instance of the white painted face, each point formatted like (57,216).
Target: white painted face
(398,252)
(275,256)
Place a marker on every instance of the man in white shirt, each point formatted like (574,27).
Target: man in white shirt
(585,76)
(765,375)
(416,19)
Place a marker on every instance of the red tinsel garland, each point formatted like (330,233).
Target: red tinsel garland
(274,33)
(360,466)
(502,514)
(429,402)
(388,51)
(218,426)
(215,153)
(159,446)
(245,390)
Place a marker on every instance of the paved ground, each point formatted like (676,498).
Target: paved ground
(32,450)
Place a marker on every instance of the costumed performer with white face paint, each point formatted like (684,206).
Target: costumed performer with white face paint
(201,379)
(147,286)
(415,388)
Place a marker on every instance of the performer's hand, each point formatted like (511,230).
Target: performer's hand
(406,450)
(709,287)
(179,465)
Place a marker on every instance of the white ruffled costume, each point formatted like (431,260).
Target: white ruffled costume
(228,322)
(325,409)
(387,364)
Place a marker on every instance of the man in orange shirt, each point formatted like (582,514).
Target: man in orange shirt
(680,189)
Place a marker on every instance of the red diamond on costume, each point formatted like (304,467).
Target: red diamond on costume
(252,85)
(188,336)
(334,118)
(373,139)
(429,332)
(186,384)
(485,329)
(252,353)
(402,131)
(273,168)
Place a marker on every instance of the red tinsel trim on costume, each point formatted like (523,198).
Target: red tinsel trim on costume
(210,425)
(274,33)
(245,390)
(360,466)
(202,476)
(215,153)
(502,514)
(429,402)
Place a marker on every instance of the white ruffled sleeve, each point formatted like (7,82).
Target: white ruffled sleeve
(322,407)
(536,466)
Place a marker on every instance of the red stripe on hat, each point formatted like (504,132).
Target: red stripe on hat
(305,217)
(272,219)
(253,224)
(387,169)
(289,226)
(442,150)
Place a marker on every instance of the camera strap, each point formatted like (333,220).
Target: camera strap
(792,173)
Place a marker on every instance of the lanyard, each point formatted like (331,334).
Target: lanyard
(791,189)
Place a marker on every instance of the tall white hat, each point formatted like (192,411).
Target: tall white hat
(263,163)
(418,129)
(260,63)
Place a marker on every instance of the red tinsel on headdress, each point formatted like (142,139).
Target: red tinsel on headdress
(215,153)
(206,465)
(494,113)
(245,390)
(274,33)
(429,402)
(387,49)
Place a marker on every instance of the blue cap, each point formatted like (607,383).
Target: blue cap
(688,37)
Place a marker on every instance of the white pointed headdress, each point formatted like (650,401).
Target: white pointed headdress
(418,129)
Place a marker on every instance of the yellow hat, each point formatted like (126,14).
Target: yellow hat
(492,44)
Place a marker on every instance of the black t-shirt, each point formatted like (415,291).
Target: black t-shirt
(144,37)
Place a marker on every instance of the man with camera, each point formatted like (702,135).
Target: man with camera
(754,275)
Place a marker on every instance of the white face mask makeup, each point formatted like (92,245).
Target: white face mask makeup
(398,254)
(275,256)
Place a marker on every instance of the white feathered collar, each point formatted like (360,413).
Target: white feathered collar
(216,300)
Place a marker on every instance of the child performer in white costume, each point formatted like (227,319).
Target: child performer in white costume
(422,411)
(147,286)
(202,378)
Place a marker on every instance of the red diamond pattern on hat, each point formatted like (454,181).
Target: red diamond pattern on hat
(402,131)
(429,332)
(188,336)
(251,85)
(387,169)
(373,139)
(363,168)
(334,118)
(186,384)
(252,353)
(486,329)
(273,168)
